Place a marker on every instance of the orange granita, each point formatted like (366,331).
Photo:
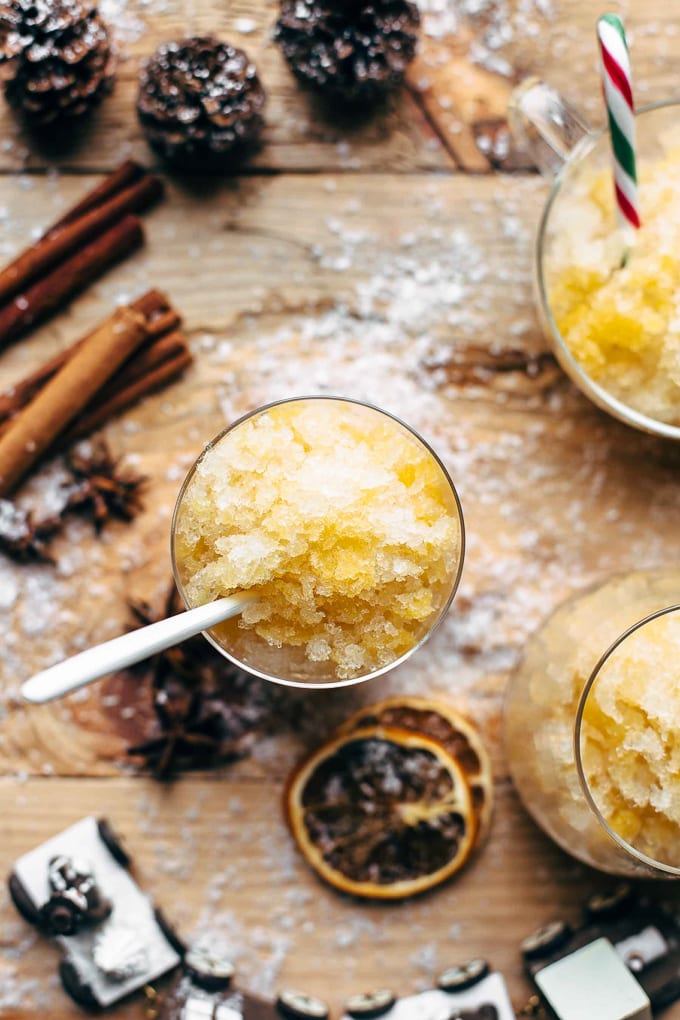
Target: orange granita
(337,517)
(616,307)
(630,739)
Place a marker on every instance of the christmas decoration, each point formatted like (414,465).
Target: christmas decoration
(200,101)
(206,711)
(618,95)
(22,537)
(354,51)
(101,490)
(382,813)
(55,57)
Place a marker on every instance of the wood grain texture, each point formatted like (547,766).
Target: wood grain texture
(287,287)
(301,132)
(435,124)
(359,260)
(218,849)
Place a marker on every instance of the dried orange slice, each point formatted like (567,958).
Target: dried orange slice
(382,813)
(440,722)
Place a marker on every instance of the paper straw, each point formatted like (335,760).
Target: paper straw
(618,96)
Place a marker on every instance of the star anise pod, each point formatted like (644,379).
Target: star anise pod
(193,730)
(143,615)
(22,537)
(207,711)
(101,489)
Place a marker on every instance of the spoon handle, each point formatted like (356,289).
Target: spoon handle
(128,649)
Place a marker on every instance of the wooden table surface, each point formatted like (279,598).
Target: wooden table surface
(388,260)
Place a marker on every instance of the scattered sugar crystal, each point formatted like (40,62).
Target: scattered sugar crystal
(494,25)
(425,958)
(122,14)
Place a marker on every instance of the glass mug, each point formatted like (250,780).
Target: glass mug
(287,664)
(593,763)
(567,151)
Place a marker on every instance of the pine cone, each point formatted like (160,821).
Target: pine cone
(354,50)
(200,100)
(55,57)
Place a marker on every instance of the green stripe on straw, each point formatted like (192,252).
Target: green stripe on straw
(618,94)
(615,21)
(623,150)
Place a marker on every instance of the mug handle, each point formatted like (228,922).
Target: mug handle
(545,125)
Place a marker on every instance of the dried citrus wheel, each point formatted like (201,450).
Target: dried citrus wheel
(440,722)
(382,813)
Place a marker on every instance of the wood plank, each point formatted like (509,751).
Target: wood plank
(294,285)
(467,66)
(465,103)
(216,855)
(301,133)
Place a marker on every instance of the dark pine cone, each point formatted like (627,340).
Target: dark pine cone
(55,57)
(200,100)
(354,50)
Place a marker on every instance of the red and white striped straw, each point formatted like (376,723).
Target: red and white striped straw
(618,95)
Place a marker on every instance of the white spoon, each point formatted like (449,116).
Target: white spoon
(129,648)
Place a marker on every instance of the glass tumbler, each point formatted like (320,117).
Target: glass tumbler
(288,663)
(569,153)
(590,720)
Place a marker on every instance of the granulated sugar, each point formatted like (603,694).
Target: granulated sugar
(497,24)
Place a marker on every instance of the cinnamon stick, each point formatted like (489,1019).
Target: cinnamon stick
(146,360)
(60,401)
(162,356)
(147,370)
(167,365)
(22,392)
(60,242)
(160,316)
(66,279)
(123,176)
(150,367)
(161,319)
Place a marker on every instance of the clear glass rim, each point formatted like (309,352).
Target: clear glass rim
(332,684)
(638,855)
(598,394)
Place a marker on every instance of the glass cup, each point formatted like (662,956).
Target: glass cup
(289,664)
(568,152)
(583,744)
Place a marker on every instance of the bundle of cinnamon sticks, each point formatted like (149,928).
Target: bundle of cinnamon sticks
(136,350)
(96,233)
